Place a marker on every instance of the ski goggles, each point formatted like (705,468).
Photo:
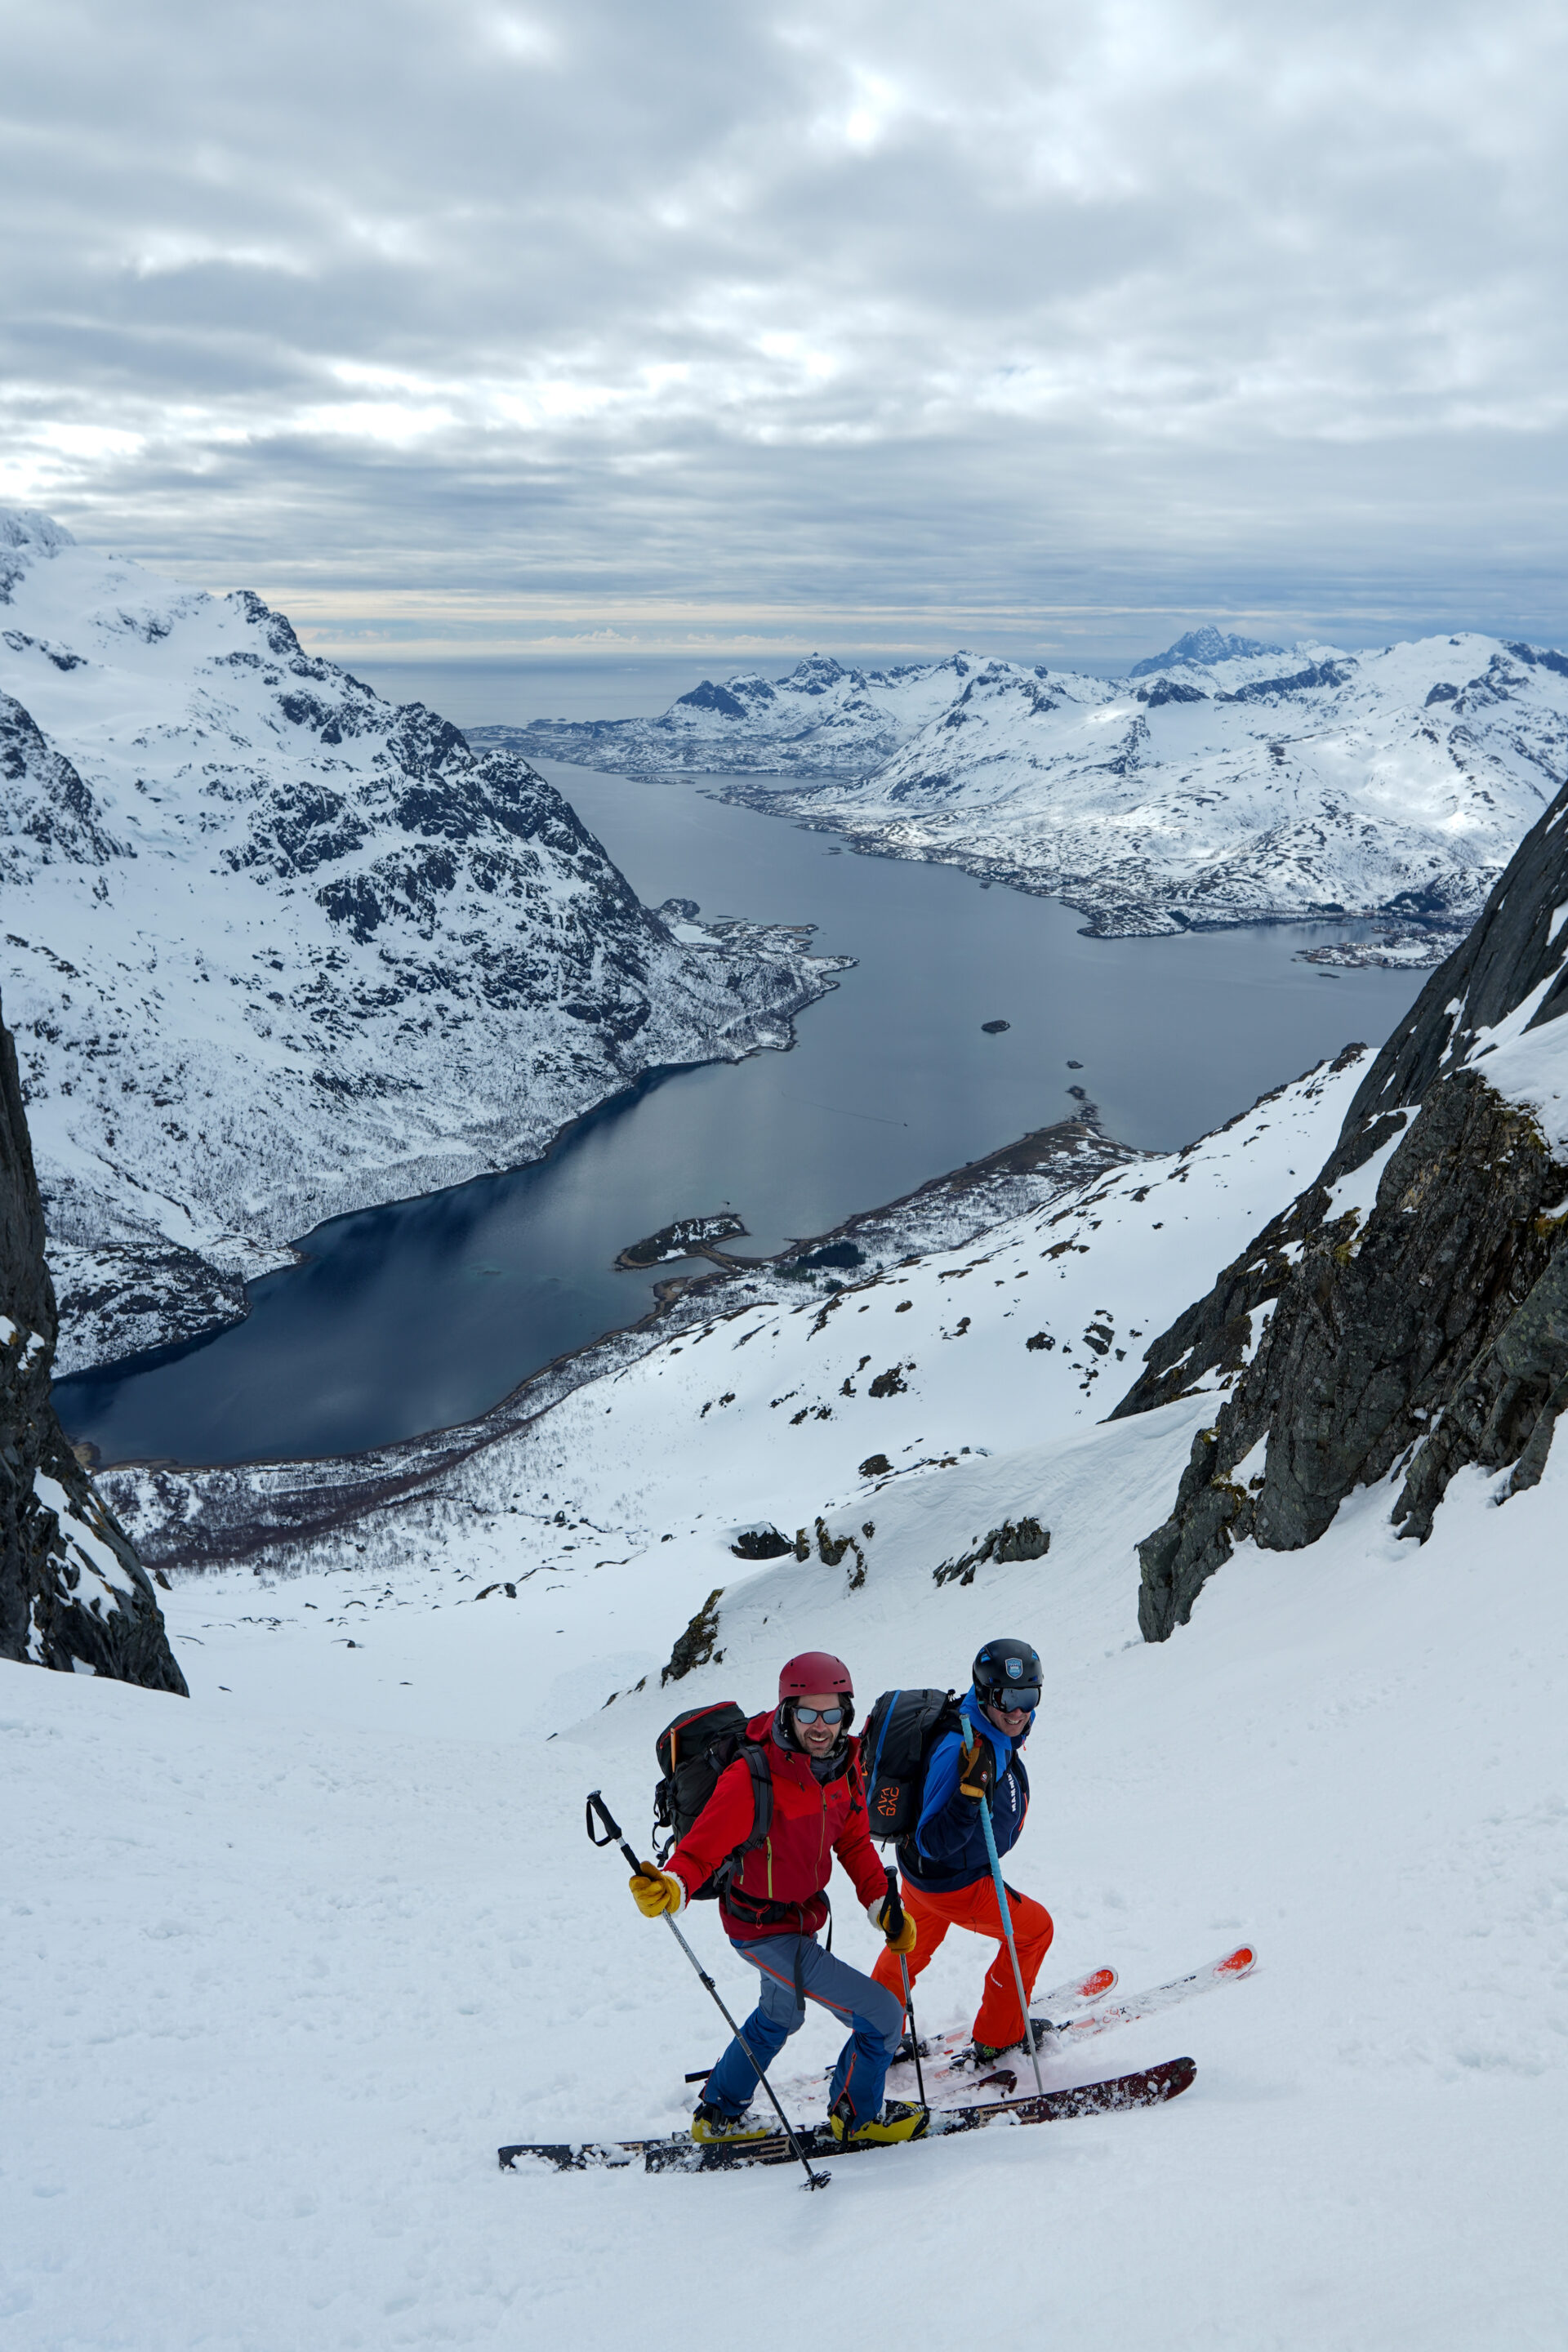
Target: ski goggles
(818,1714)
(1012,1696)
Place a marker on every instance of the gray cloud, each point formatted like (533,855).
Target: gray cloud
(465,326)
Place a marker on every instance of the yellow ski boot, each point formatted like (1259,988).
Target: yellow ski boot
(710,2126)
(896,2121)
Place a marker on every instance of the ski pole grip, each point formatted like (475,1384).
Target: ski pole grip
(895,1901)
(596,1805)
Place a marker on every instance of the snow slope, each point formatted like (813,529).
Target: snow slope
(275,949)
(330,1931)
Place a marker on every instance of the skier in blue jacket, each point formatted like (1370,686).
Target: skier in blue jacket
(945,1865)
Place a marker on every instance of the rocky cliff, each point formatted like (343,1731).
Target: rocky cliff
(1406,1316)
(73,1594)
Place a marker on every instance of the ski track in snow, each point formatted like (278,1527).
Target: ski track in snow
(288,1961)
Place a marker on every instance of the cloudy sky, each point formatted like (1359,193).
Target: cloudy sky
(727,326)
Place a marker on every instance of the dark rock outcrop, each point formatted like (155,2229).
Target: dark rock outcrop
(1023,1538)
(1428,1330)
(73,1594)
(697,1646)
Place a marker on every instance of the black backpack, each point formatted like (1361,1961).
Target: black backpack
(900,1732)
(692,1751)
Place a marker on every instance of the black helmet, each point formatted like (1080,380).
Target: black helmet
(1007,1673)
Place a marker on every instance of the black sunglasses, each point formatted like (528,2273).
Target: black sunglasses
(1009,1699)
(818,1714)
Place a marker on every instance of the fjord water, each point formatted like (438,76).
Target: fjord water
(414,1317)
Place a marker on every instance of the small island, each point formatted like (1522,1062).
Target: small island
(686,1238)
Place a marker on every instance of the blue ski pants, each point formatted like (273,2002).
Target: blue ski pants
(792,1966)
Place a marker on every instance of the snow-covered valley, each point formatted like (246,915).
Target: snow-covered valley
(1212,786)
(276,949)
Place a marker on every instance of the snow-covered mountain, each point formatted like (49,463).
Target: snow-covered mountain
(823,719)
(1225,781)
(276,949)
(1395,783)
(1202,647)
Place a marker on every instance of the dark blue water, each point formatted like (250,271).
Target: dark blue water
(411,1317)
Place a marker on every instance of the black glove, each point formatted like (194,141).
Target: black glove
(977,1768)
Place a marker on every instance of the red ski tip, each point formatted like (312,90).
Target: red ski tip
(1237,1963)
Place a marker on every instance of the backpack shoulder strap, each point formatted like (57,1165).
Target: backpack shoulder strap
(762,1796)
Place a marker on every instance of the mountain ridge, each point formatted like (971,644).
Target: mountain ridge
(1269,785)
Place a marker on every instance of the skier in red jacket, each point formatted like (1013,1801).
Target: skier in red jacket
(774,1901)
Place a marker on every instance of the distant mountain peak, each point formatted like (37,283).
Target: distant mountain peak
(1202,647)
(29,527)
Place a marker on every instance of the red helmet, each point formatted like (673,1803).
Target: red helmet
(814,1670)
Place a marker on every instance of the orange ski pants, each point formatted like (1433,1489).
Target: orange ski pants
(997,2022)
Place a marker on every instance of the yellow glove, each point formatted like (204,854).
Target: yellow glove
(900,1939)
(654,1892)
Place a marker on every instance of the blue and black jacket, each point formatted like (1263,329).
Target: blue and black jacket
(948,1848)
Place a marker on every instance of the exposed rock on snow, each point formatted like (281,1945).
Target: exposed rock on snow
(696,1646)
(1022,1539)
(1416,1293)
(73,1594)
(276,949)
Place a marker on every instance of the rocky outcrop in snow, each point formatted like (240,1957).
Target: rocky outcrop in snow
(276,950)
(1406,1317)
(73,1594)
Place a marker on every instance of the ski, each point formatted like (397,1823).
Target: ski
(679,2153)
(1240,1963)
(1064,2030)
(1078,1992)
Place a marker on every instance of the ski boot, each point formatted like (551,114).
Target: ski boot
(894,2121)
(1039,2034)
(710,2126)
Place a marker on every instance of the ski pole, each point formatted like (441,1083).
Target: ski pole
(896,1910)
(970,1737)
(646,1870)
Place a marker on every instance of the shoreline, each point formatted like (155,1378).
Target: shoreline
(1141,921)
(197,1516)
(294,1252)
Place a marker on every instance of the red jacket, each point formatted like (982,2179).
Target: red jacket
(813,1820)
